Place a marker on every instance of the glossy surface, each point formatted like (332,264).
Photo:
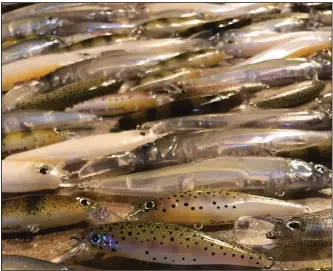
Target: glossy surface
(152,242)
(274,176)
(21,176)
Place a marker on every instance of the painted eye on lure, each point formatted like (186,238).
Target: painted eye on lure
(294,225)
(149,205)
(319,168)
(43,169)
(95,238)
(84,201)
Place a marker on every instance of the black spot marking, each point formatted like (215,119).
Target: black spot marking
(147,252)
(192,208)
(213,253)
(185,204)
(172,239)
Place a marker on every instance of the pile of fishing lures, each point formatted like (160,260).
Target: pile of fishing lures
(200,117)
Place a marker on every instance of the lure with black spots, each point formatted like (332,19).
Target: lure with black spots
(212,207)
(37,212)
(170,244)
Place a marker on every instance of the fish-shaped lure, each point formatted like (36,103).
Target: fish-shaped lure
(170,244)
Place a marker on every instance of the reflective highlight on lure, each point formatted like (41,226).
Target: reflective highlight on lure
(152,242)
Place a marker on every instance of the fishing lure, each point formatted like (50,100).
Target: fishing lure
(20,71)
(317,151)
(120,104)
(211,207)
(70,94)
(296,47)
(18,121)
(199,145)
(22,141)
(248,118)
(272,175)
(152,242)
(97,41)
(38,212)
(313,229)
(30,47)
(18,262)
(198,59)
(117,65)
(293,95)
(21,176)
(195,105)
(215,27)
(277,72)
(38,25)
(87,147)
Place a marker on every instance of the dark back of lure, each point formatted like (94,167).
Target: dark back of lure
(216,26)
(293,95)
(169,244)
(70,94)
(94,42)
(184,107)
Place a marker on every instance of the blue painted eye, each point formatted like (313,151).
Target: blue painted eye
(95,238)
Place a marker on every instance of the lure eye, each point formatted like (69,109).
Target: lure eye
(320,168)
(43,169)
(84,201)
(149,205)
(95,238)
(294,225)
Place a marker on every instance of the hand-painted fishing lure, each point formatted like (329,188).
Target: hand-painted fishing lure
(272,175)
(211,207)
(194,105)
(170,244)
(313,229)
(199,145)
(293,95)
(18,121)
(23,141)
(248,118)
(38,212)
(21,176)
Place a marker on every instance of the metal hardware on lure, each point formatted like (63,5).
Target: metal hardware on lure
(293,95)
(152,242)
(93,146)
(120,104)
(23,141)
(248,118)
(313,229)
(18,121)
(38,212)
(194,146)
(30,47)
(194,105)
(26,176)
(18,262)
(211,207)
(272,175)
